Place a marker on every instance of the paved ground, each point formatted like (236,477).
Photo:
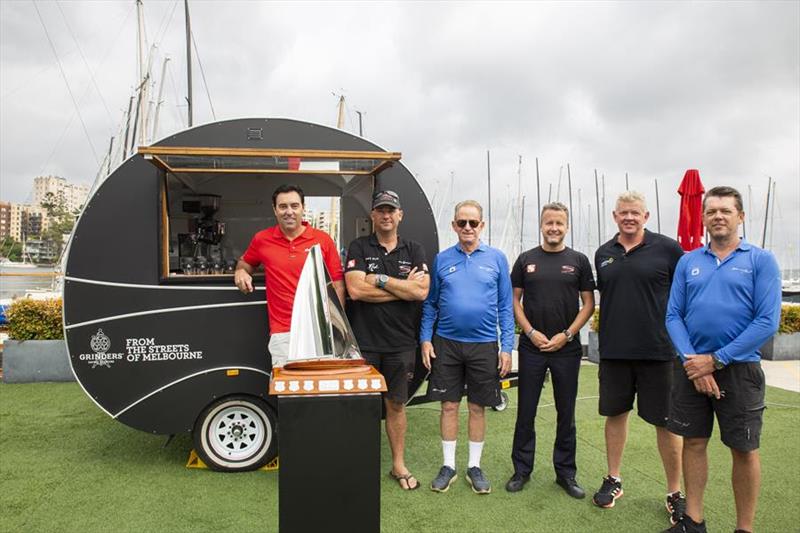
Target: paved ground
(782,374)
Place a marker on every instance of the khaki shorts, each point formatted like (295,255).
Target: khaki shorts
(279,348)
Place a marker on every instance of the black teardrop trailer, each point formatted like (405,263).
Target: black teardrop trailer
(158,336)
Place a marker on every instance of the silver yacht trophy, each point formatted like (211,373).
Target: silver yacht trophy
(324,357)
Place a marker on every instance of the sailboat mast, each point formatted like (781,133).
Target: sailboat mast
(658,207)
(522,225)
(188,61)
(489,185)
(538,203)
(766,213)
(597,195)
(340,116)
(569,189)
(159,101)
(772,217)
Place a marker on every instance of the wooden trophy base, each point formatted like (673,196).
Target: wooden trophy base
(326,376)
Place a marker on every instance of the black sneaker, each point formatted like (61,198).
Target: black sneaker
(676,507)
(444,479)
(608,493)
(687,525)
(478,482)
(517,482)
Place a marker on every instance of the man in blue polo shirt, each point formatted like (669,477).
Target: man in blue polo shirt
(724,304)
(470,297)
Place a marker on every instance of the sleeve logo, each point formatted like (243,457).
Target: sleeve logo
(530,269)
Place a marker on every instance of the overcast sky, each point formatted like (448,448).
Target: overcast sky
(648,88)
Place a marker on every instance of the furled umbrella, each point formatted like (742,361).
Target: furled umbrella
(690,223)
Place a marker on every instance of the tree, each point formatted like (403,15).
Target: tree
(60,220)
(12,250)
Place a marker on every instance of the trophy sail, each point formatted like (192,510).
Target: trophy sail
(320,329)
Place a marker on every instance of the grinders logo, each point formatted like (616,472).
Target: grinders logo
(100,343)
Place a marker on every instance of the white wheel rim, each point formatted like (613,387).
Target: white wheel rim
(237,432)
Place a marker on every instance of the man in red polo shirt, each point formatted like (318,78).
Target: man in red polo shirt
(282,249)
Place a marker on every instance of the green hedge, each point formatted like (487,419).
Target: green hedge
(35,319)
(790,319)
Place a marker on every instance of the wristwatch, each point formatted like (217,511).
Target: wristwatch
(718,364)
(568,334)
(380,281)
(530,333)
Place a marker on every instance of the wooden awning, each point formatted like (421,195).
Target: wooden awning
(180,159)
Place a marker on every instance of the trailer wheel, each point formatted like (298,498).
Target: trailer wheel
(503,402)
(236,434)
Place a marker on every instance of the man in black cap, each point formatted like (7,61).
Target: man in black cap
(387,279)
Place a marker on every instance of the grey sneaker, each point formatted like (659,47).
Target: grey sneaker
(444,479)
(478,482)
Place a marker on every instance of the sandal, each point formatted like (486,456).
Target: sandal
(407,478)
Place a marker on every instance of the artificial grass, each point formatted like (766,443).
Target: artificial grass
(65,466)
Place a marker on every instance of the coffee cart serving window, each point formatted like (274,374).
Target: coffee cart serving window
(213,200)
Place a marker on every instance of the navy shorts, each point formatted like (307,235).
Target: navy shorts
(398,370)
(622,380)
(459,364)
(739,412)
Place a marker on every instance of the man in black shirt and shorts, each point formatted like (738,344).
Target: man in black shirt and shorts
(548,280)
(387,279)
(634,274)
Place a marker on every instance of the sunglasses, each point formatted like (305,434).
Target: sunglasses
(472,223)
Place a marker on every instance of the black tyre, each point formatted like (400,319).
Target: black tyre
(236,434)
(503,402)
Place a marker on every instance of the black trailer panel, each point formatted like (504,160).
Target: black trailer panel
(122,360)
(187,398)
(116,237)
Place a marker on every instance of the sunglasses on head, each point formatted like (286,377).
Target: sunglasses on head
(472,223)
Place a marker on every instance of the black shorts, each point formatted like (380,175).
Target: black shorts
(397,368)
(649,381)
(739,412)
(459,363)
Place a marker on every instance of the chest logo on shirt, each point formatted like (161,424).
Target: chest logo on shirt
(695,271)
(567,269)
(451,269)
(372,267)
(530,269)
(351,263)
(607,262)
(742,270)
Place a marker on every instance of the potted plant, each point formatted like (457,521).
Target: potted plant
(35,349)
(785,344)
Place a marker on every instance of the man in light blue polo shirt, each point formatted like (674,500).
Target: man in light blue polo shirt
(724,304)
(470,298)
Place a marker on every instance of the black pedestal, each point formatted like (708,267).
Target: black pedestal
(329,475)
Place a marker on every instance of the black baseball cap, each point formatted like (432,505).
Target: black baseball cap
(389,198)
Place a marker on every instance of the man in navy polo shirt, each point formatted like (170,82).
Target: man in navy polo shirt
(724,304)
(387,279)
(469,299)
(634,273)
